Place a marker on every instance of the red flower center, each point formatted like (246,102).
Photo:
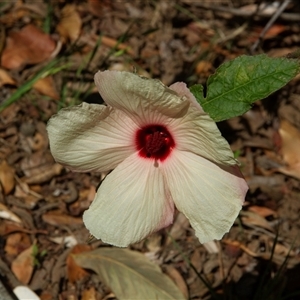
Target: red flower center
(154,141)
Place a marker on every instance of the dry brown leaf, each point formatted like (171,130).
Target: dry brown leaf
(46,87)
(252,219)
(75,272)
(290,145)
(5,78)
(89,294)
(13,16)
(8,228)
(38,142)
(262,211)
(99,7)
(23,265)
(7,177)
(178,280)
(16,243)
(278,259)
(46,175)
(70,23)
(5,213)
(56,218)
(204,67)
(30,45)
(282,250)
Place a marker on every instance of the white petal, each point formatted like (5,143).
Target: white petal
(91,137)
(131,93)
(196,132)
(181,89)
(210,196)
(131,203)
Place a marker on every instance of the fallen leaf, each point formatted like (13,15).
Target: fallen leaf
(16,243)
(46,175)
(99,7)
(290,145)
(70,23)
(129,274)
(75,272)
(7,177)
(46,87)
(30,45)
(8,228)
(5,213)
(178,280)
(252,219)
(58,218)
(23,265)
(89,294)
(5,78)
(278,259)
(262,211)
(203,67)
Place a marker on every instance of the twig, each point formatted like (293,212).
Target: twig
(292,17)
(270,23)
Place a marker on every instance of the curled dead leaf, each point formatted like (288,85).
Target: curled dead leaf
(5,78)
(89,294)
(252,219)
(30,45)
(290,145)
(58,218)
(262,211)
(5,213)
(70,23)
(99,7)
(46,87)
(46,175)
(23,265)
(7,174)
(290,142)
(75,272)
(278,259)
(178,280)
(16,243)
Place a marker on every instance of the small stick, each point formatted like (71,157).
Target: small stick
(269,24)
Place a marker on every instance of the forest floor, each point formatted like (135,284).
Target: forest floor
(50,51)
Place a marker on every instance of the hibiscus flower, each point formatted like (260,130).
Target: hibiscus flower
(163,150)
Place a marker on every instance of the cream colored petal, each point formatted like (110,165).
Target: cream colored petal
(91,137)
(131,203)
(181,89)
(132,93)
(210,196)
(196,132)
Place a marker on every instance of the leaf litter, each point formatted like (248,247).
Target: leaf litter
(41,203)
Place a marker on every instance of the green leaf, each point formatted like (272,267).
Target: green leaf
(242,81)
(197,91)
(129,274)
